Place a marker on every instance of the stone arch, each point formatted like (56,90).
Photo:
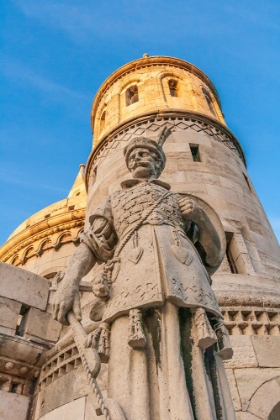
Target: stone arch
(65,237)
(49,273)
(62,239)
(102,120)
(123,89)
(104,104)
(44,245)
(132,94)
(77,237)
(265,403)
(28,253)
(15,260)
(129,81)
(171,75)
(102,110)
(211,102)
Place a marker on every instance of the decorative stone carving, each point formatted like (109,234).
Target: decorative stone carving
(250,320)
(153,125)
(156,250)
(43,242)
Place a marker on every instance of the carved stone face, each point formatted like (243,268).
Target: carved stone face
(144,164)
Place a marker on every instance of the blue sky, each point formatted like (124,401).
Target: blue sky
(56,54)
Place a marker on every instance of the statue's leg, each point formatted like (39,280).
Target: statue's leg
(149,383)
(205,374)
(174,398)
(224,390)
(200,390)
(128,374)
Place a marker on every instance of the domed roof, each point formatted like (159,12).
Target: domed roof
(48,219)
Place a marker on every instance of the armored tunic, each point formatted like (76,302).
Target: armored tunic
(158,262)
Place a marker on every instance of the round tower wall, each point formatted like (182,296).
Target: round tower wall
(205,162)
(146,85)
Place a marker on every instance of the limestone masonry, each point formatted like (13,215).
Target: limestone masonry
(153,340)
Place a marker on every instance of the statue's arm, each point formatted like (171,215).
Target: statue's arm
(67,295)
(97,245)
(208,237)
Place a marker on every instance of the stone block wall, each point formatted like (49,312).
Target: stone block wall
(254,377)
(26,330)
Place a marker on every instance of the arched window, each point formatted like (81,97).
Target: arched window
(132,95)
(173,87)
(102,121)
(208,100)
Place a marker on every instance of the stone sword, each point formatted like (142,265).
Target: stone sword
(90,358)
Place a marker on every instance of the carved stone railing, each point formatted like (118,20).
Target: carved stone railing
(61,363)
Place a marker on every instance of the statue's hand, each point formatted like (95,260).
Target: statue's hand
(66,298)
(189,208)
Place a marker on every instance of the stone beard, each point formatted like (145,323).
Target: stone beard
(167,337)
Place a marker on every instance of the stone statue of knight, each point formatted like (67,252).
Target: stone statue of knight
(165,337)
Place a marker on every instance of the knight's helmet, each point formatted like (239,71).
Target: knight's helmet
(152,145)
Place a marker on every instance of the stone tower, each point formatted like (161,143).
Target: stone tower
(204,159)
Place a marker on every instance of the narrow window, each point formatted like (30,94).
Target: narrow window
(173,87)
(102,121)
(208,100)
(247,182)
(21,320)
(229,255)
(132,95)
(195,152)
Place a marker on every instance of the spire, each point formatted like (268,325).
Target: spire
(79,186)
